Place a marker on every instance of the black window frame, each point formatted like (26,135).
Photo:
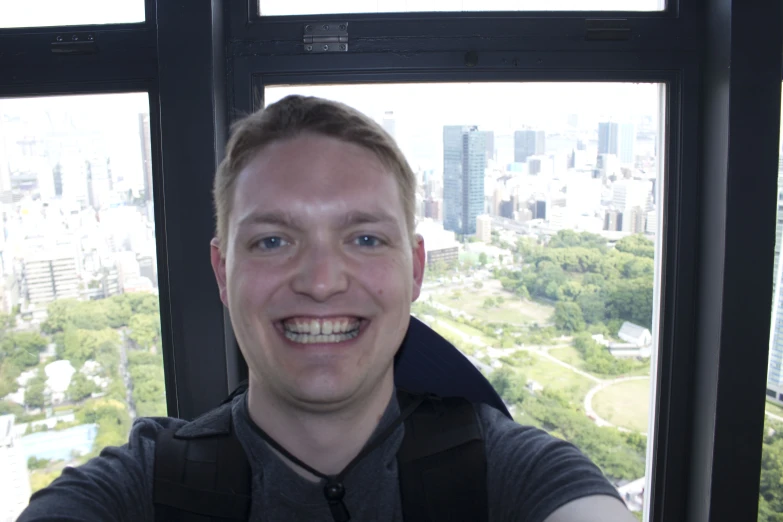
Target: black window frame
(205,62)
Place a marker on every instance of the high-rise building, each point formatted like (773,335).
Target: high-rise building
(618,139)
(14,482)
(528,143)
(49,275)
(390,124)
(464,161)
(484,228)
(775,369)
(489,141)
(146,154)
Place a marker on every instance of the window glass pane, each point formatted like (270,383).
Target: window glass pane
(302,7)
(80,353)
(540,220)
(770,493)
(45,13)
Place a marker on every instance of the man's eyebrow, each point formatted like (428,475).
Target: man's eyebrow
(288,220)
(359,217)
(284,219)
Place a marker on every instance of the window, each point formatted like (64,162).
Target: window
(540,219)
(80,347)
(73,12)
(275,7)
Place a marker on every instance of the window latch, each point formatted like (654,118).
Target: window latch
(326,37)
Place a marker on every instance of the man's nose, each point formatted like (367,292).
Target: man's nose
(321,272)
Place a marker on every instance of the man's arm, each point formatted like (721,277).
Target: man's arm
(534,477)
(116,486)
(597,508)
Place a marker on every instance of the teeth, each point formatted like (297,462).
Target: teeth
(304,338)
(316,327)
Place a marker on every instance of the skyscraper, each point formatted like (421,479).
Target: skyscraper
(528,143)
(390,124)
(775,369)
(464,160)
(618,139)
(146,154)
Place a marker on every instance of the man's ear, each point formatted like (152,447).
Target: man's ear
(419,262)
(219,267)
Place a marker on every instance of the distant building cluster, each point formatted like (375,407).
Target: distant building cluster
(604,181)
(76,215)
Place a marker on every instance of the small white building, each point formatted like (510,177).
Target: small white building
(638,341)
(58,378)
(635,334)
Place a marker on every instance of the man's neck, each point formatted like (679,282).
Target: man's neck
(326,442)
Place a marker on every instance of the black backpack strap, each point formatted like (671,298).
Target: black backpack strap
(442,462)
(201,472)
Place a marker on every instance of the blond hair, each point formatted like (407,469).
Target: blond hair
(292,116)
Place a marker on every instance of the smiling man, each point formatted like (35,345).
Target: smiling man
(317,261)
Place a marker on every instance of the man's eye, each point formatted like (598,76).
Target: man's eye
(271,243)
(368,241)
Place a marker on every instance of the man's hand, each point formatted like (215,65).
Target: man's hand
(598,508)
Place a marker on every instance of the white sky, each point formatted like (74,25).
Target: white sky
(39,13)
(492,105)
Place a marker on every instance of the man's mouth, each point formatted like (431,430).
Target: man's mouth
(322,330)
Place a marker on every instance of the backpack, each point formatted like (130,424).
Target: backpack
(202,473)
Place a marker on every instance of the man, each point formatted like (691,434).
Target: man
(317,261)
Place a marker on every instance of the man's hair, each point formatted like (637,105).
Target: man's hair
(295,115)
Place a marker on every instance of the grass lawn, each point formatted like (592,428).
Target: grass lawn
(554,377)
(446,327)
(512,311)
(774,408)
(625,404)
(569,355)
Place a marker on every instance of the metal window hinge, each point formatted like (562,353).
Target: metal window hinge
(74,43)
(327,37)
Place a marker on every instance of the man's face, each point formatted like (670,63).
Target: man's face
(318,271)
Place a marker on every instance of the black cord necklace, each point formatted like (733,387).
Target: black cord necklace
(334,490)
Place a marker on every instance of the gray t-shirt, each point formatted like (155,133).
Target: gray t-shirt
(529,475)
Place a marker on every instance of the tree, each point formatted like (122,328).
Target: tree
(81,387)
(118,311)
(478,285)
(592,305)
(488,303)
(144,329)
(34,394)
(568,317)
(509,384)
(637,245)
(59,315)
(482,259)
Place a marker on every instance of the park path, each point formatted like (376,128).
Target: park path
(595,389)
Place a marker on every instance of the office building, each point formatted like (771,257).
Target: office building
(528,143)
(775,368)
(489,141)
(389,124)
(50,274)
(618,139)
(484,228)
(146,154)
(464,160)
